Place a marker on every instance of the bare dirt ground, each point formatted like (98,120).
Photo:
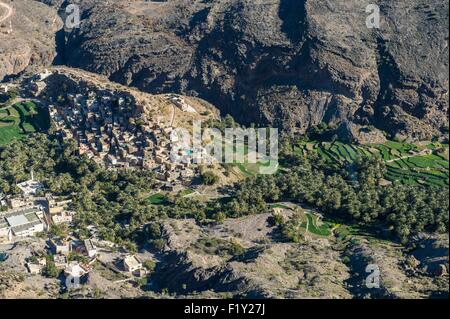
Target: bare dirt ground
(5,12)
(15,281)
(18,252)
(248,230)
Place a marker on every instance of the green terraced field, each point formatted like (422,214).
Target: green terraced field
(157,199)
(402,163)
(322,230)
(249,169)
(21,119)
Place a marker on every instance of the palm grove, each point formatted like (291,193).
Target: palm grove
(116,201)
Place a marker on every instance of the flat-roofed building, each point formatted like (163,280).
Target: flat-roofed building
(42,76)
(22,222)
(57,209)
(91,249)
(64,218)
(60,246)
(16,202)
(75,270)
(34,268)
(30,187)
(132,264)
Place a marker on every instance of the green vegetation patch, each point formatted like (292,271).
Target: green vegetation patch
(318,227)
(21,119)
(403,166)
(186,191)
(157,199)
(251,169)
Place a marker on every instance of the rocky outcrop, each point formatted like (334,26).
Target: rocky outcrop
(27,36)
(354,133)
(431,254)
(317,268)
(288,63)
(380,269)
(274,271)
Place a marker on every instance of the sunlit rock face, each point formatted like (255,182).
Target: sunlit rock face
(289,63)
(27,36)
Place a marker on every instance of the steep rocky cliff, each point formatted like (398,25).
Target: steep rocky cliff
(289,63)
(27,36)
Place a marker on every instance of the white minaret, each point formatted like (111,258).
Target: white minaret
(32,175)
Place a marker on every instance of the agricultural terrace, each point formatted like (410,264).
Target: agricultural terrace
(246,168)
(309,222)
(425,164)
(21,119)
(157,199)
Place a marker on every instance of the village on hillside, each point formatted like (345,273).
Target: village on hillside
(33,212)
(110,128)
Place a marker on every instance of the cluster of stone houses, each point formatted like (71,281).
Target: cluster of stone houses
(110,129)
(169,165)
(31,212)
(58,211)
(61,250)
(104,126)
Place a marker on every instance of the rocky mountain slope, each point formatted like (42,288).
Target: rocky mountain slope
(201,260)
(27,36)
(289,63)
(234,259)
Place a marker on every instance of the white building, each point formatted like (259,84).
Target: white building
(30,187)
(37,266)
(63,218)
(22,222)
(181,103)
(34,268)
(91,250)
(132,264)
(75,270)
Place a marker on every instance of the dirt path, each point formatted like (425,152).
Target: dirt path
(173,116)
(9,11)
(421,153)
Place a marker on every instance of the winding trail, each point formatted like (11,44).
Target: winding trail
(9,11)
(421,153)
